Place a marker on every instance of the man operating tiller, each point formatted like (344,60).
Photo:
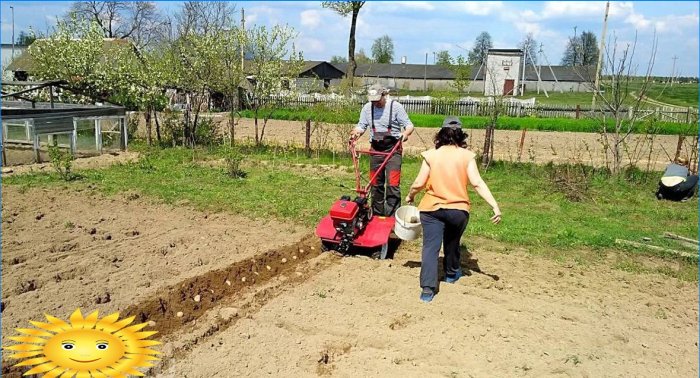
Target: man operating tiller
(388,123)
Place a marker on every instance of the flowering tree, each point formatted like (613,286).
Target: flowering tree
(268,71)
(101,70)
(78,54)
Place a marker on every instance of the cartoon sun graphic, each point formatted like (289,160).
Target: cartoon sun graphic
(85,347)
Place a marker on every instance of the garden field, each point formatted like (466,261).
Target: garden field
(228,271)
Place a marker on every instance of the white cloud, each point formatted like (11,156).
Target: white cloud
(415,5)
(684,25)
(310,45)
(264,15)
(638,21)
(529,27)
(362,29)
(310,18)
(583,9)
(477,8)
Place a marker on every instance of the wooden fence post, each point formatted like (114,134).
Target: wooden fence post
(679,147)
(522,142)
(308,138)
(578,111)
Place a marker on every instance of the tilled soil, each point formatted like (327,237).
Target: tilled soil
(232,296)
(515,315)
(63,249)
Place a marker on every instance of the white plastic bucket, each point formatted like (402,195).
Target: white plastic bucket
(407,226)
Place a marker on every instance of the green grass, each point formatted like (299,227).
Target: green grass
(475,122)
(284,184)
(678,94)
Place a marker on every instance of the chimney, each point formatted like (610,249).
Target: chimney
(403,60)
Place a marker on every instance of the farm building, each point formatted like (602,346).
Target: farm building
(502,72)
(316,75)
(404,76)
(7,53)
(436,77)
(30,127)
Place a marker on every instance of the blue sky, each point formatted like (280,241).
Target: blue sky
(420,27)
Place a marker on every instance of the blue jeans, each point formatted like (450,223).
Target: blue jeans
(443,227)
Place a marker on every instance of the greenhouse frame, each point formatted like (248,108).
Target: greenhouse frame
(86,130)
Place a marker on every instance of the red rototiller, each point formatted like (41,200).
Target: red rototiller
(350,222)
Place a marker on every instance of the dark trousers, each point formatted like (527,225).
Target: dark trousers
(386,198)
(678,192)
(441,227)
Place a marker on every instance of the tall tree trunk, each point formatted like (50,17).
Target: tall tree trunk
(147,116)
(486,154)
(351,47)
(155,116)
(257,139)
(188,113)
(232,120)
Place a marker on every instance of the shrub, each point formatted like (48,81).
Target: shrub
(206,132)
(62,162)
(572,180)
(234,158)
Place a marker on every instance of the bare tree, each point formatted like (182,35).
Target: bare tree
(138,21)
(345,8)
(204,18)
(621,98)
(495,108)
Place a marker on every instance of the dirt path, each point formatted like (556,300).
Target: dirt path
(93,162)
(270,304)
(538,146)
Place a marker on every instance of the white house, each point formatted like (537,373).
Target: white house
(503,70)
(7,53)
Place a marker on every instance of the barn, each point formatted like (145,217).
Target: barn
(505,78)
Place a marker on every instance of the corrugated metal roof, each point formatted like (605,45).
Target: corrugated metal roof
(401,71)
(437,72)
(562,73)
(506,51)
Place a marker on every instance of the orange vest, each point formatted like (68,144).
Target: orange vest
(447,183)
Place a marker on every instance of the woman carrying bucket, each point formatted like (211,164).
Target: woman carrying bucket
(444,210)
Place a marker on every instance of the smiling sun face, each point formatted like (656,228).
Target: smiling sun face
(87,346)
(87,349)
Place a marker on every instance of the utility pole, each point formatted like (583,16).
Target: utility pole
(425,74)
(13,33)
(242,47)
(673,70)
(522,80)
(434,57)
(600,56)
